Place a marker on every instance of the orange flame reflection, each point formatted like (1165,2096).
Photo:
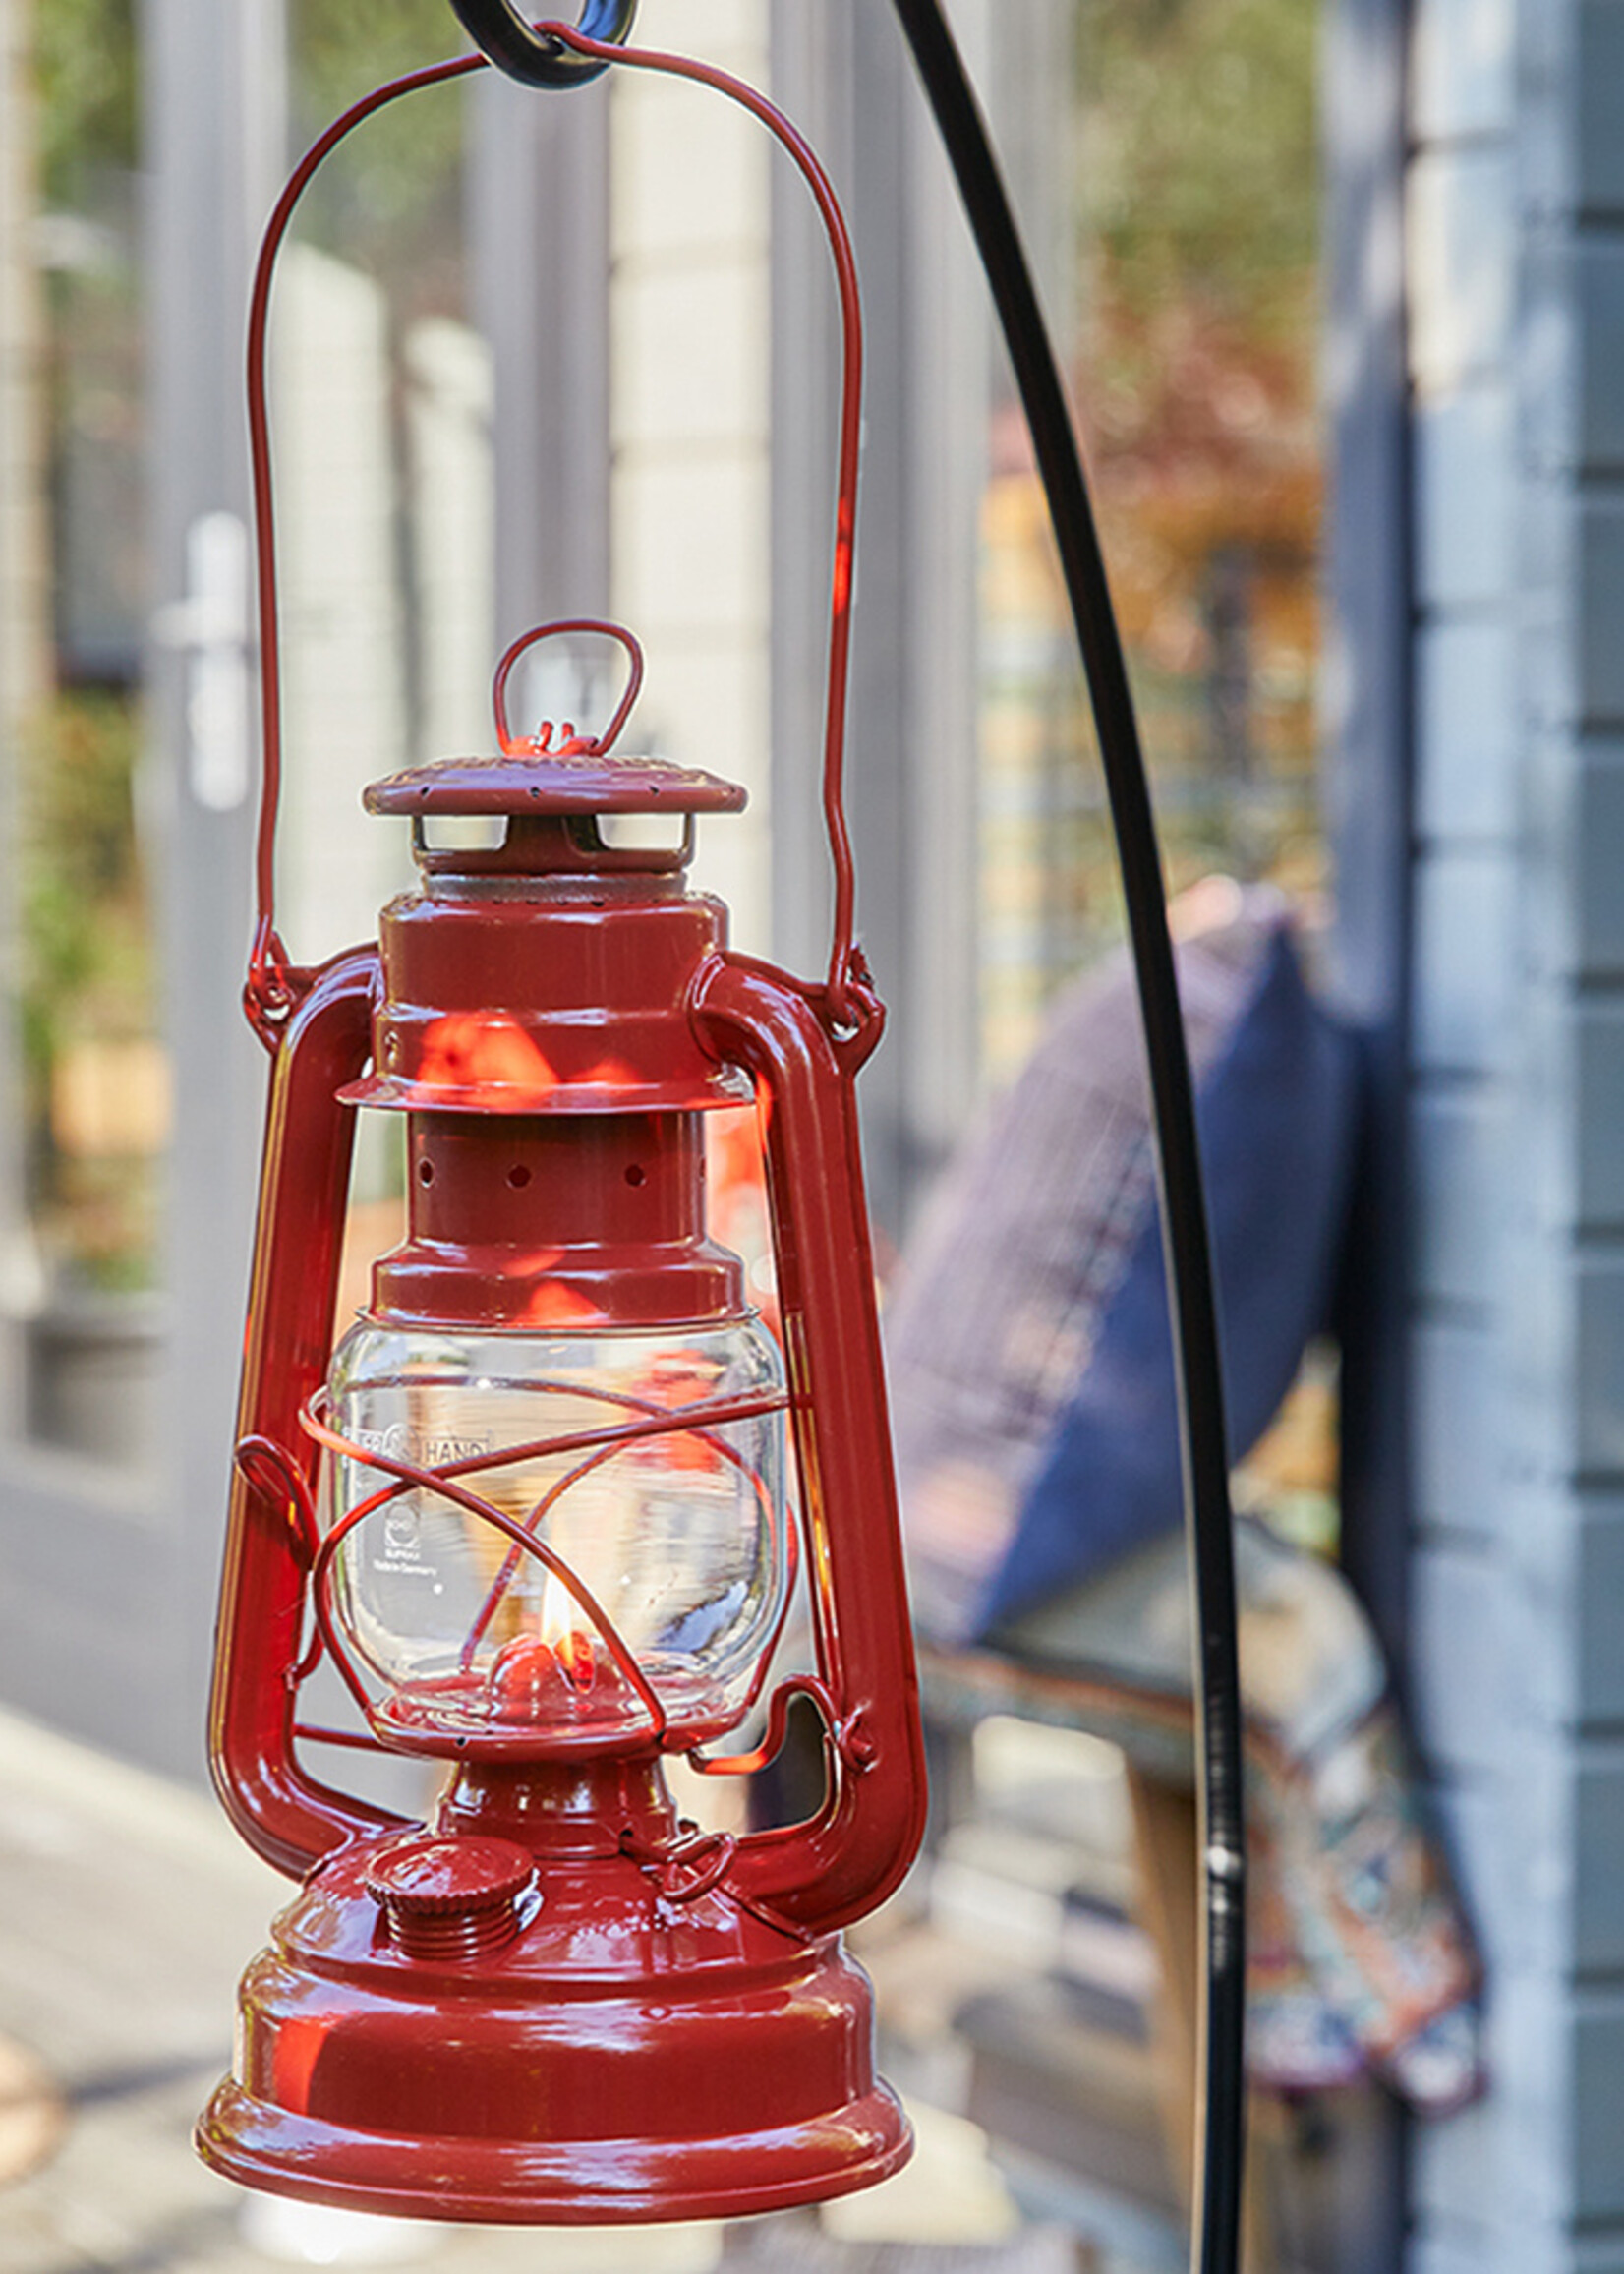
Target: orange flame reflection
(468,1049)
(612,1074)
(553,1304)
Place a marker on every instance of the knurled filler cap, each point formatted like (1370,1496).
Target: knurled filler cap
(450,1897)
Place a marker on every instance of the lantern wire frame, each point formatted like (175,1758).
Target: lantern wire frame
(701,1419)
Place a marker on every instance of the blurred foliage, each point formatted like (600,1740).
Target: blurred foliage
(85,64)
(1200,159)
(1196,214)
(391,198)
(86,972)
(84,960)
(388,201)
(1197,366)
(345,51)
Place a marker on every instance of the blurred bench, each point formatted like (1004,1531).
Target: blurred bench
(1321,2169)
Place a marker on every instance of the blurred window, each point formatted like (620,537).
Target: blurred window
(90,1071)
(1184,280)
(381,406)
(381,412)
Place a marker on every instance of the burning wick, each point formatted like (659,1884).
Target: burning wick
(530,1674)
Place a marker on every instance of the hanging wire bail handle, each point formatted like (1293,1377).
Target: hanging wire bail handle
(539,58)
(846,1001)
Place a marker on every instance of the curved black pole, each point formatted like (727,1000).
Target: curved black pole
(513,45)
(1221,2124)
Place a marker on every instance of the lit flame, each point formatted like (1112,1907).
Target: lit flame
(574,1650)
(534,1672)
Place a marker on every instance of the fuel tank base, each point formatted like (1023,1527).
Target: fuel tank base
(620,2057)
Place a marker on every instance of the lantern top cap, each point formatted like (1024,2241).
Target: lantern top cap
(578,781)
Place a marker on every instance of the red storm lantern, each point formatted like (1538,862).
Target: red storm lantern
(534,1510)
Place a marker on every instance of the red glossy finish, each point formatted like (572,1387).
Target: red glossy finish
(549,974)
(558,2001)
(427,1875)
(285,1814)
(447,1898)
(554,996)
(644,2046)
(578,780)
(571,2049)
(856,1851)
(557,1221)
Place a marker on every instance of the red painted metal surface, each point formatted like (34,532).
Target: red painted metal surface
(597,2066)
(564,996)
(287,1815)
(854,1854)
(525,1221)
(450,1898)
(558,2001)
(645,2047)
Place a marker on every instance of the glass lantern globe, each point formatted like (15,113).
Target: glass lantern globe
(666,1548)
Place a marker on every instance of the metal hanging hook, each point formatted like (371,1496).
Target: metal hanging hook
(536,57)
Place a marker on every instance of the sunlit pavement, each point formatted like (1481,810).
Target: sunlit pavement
(128,1908)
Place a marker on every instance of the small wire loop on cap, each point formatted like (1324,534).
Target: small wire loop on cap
(538,58)
(598,744)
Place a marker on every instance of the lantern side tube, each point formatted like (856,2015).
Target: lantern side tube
(840,1864)
(286,1815)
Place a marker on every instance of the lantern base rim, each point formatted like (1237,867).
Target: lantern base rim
(576,2183)
(644,2048)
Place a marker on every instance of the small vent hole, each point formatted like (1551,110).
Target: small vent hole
(518,1175)
(636,1176)
(425,1172)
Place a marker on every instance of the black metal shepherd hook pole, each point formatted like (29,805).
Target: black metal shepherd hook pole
(1220,2086)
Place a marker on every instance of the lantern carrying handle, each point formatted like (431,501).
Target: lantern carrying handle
(273,985)
(536,57)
